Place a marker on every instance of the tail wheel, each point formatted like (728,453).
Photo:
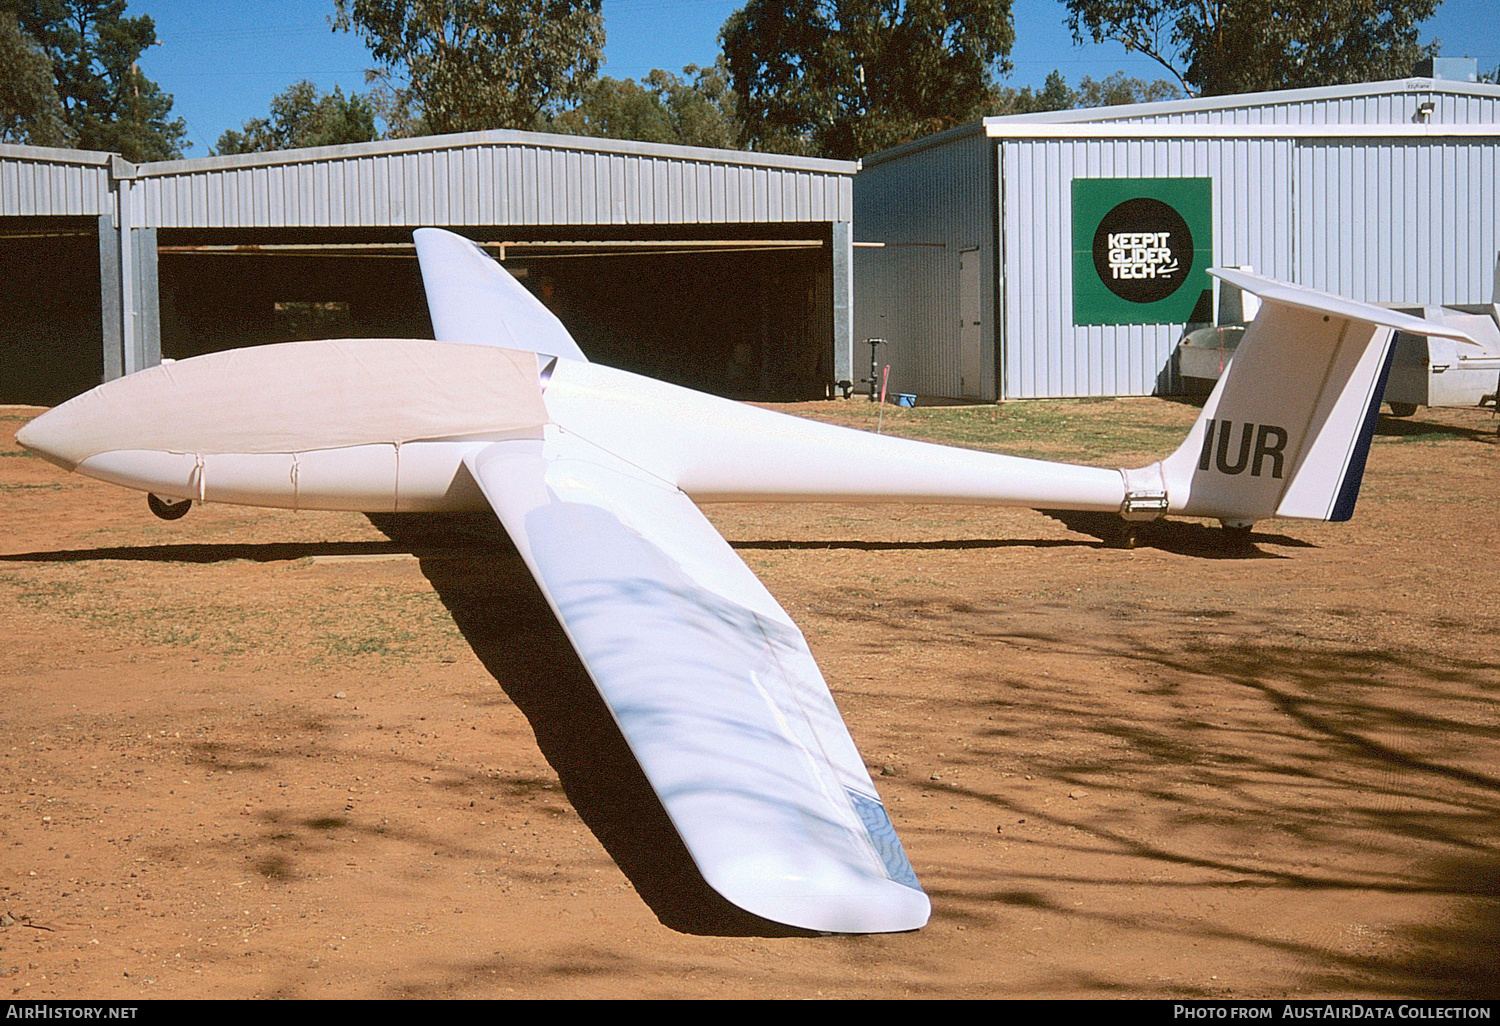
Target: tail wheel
(1403,409)
(1237,534)
(168,509)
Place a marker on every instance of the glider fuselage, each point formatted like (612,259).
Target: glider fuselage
(379,425)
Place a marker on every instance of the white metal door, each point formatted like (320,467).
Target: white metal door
(971,367)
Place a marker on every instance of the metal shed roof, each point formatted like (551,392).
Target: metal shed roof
(1368,109)
(42,181)
(491,178)
(1393,102)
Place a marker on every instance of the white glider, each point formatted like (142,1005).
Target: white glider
(594,473)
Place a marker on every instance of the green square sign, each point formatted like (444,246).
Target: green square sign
(1141,249)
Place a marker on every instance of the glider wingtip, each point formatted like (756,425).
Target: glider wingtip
(849,904)
(438,238)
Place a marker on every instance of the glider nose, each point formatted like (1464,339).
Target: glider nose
(48,438)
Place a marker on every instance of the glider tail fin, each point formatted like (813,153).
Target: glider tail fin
(1286,430)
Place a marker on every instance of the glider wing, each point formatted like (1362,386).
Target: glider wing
(711,684)
(472,299)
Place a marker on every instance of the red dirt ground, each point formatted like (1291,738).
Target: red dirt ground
(260,753)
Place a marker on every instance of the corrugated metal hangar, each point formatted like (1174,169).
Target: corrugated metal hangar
(723,270)
(1061,254)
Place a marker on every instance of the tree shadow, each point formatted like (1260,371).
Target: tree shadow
(1368,769)
(1455,959)
(504,617)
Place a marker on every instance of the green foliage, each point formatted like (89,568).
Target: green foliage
(30,111)
(107,103)
(1119,89)
(300,117)
(393,108)
(842,78)
(1056,94)
(662,108)
(469,65)
(1215,47)
(615,108)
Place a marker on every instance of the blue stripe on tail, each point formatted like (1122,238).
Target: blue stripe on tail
(1343,506)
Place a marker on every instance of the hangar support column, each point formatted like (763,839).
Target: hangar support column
(843,301)
(110,302)
(130,307)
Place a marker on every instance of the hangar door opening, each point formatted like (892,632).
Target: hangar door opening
(220,290)
(51,327)
(750,324)
(747,318)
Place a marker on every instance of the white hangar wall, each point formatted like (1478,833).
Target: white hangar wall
(40,180)
(930,214)
(1385,192)
(1045,354)
(1410,219)
(491,178)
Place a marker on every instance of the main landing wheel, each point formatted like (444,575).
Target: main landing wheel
(168,509)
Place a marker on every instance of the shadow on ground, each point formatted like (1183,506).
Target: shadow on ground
(504,617)
(266,552)
(1372,765)
(1456,958)
(1184,538)
(1406,427)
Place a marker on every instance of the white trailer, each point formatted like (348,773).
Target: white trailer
(1424,371)
(1441,372)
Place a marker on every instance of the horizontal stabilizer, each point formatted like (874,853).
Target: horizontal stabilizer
(1288,427)
(1271,291)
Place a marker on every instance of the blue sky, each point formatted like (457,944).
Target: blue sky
(222,62)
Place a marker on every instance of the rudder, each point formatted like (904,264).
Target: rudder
(1286,431)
